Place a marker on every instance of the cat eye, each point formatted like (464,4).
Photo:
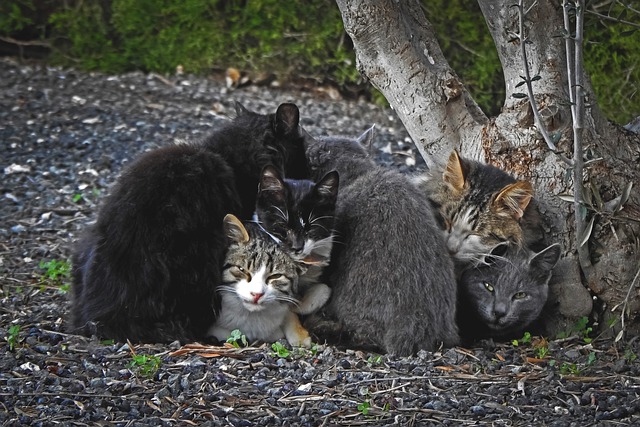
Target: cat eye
(278,280)
(520,295)
(488,286)
(239,272)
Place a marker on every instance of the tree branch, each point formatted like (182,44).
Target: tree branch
(577,111)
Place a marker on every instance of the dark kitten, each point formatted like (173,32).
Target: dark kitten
(148,269)
(259,288)
(300,215)
(393,287)
(483,209)
(501,299)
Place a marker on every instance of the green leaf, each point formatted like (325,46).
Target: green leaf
(587,231)
(519,95)
(535,78)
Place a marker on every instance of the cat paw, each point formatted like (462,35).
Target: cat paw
(315,297)
(295,333)
(300,342)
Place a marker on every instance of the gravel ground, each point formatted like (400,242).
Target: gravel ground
(64,136)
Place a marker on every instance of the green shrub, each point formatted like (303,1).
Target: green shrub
(612,60)
(158,35)
(295,38)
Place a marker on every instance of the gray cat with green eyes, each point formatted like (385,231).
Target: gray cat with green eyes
(502,298)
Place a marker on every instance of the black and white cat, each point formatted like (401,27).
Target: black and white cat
(502,298)
(393,285)
(259,288)
(300,215)
(148,269)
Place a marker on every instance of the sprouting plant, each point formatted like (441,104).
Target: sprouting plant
(56,272)
(630,355)
(13,337)
(145,365)
(569,368)
(374,359)
(77,197)
(591,358)
(236,338)
(583,329)
(526,339)
(280,349)
(364,407)
(542,352)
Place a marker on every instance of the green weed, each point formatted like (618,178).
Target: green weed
(56,273)
(145,365)
(364,407)
(280,349)
(236,338)
(13,337)
(526,339)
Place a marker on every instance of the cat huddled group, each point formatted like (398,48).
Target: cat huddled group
(262,228)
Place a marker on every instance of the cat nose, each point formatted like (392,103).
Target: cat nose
(499,311)
(256,296)
(296,243)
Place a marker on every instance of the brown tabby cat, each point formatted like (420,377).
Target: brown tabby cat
(259,288)
(482,209)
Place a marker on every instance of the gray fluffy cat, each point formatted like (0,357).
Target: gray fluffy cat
(503,298)
(393,287)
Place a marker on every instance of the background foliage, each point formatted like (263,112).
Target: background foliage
(294,38)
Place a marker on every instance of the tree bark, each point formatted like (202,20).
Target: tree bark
(398,51)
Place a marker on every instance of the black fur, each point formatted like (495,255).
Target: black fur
(148,269)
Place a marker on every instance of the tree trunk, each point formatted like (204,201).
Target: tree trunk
(397,50)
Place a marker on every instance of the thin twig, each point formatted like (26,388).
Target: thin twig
(527,78)
(577,111)
(610,18)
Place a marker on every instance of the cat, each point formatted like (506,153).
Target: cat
(300,215)
(482,210)
(148,268)
(393,287)
(259,288)
(501,299)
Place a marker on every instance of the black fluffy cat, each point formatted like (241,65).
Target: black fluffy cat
(148,269)
(393,287)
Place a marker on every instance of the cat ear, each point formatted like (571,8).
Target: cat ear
(240,109)
(234,229)
(454,173)
(513,199)
(270,179)
(287,119)
(328,185)
(547,258)
(366,138)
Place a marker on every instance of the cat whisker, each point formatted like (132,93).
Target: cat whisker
(313,219)
(283,215)
(289,299)
(226,288)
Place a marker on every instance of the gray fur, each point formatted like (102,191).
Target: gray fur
(393,287)
(503,298)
